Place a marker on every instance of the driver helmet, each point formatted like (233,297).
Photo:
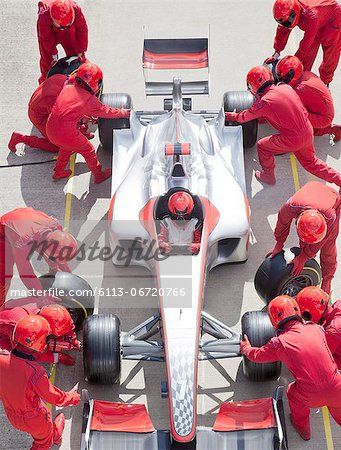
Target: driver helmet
(180,204)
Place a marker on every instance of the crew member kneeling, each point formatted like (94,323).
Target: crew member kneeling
(314,306)
(24,385)
(303,348)
(62,337)
(313,93)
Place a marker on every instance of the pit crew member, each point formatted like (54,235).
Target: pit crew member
(76,100)
(282,108)
(321,22)
(62,335)
(24,385)
(314,305)
(60,22)
(23,231)
(316,209)
(313,93)
(317,379)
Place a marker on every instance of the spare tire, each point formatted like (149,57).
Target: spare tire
(240,100)
(64,66)
(101,349)
(106,126)
(257,326)
(273,276)
(75,294)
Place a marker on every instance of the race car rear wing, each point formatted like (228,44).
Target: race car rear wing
(248,425)
(163,58)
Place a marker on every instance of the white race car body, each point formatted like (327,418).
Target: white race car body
(213,171)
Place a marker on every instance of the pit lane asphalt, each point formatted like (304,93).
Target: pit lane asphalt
(241,35)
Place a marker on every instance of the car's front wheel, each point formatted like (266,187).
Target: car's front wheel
(238,101)
(257,327)
(106,126)
(101,349)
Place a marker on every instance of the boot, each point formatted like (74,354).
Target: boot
(16,138)
(58,427)
(304,433)
(267,177)
(60,170)
(336,132)
(102,176)
(58,175)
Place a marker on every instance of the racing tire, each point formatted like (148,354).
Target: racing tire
(257,326)
(240,100)
(74,292)
(273,276)
(106,126)
(64,66)
(101,349)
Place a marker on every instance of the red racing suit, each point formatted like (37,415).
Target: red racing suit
(75,102)
(321,22)
(327,201)
(332,327)
(20,229)
(281,107)
(74,39)
(8,320)
(163,236)
(317,380)
(318,101)
(24,387)
(39,108)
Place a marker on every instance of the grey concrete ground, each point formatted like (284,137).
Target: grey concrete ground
(241,35)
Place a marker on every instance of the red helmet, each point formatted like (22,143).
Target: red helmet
(180,203)
(61,246)
(281,309)
(31,332)
(289,70)
(58,318)
(62,13)
(287,12)
(311,226)
(259,77)
(90,76)
(313,303)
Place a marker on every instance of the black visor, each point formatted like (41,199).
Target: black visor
(290,20)
(287,77)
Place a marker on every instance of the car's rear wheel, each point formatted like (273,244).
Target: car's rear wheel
(64,66)
(101,349)
(106,126)
(74,292)
(274,278)
(238,101)
(257,326)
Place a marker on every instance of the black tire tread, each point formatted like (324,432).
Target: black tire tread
(106,126)
(101,349)
(240,100)
(257,326)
